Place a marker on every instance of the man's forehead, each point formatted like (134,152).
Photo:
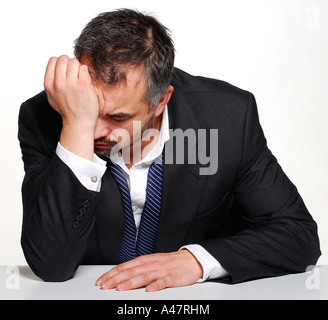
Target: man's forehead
(126,97)
(134,75)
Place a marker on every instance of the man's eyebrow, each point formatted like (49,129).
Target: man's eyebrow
(119,115)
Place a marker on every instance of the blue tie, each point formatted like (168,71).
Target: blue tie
(133,246)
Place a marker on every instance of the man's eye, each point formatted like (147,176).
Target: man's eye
(118,120)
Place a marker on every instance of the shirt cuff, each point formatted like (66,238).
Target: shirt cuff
(212,269)
(88,173)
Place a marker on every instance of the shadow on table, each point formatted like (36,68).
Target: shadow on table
(26,272)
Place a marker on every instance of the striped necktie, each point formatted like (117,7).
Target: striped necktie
(134,245)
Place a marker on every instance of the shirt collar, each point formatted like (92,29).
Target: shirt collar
(164,135)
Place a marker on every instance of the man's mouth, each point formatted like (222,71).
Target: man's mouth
(103,146)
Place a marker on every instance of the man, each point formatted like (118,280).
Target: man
(96,190)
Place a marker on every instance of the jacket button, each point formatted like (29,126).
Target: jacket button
(86,203)
(79,217)
(76,224)
(83,210)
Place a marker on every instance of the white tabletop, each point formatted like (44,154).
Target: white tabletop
(19,283)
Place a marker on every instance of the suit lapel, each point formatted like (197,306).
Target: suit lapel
(182,184)
(181,195)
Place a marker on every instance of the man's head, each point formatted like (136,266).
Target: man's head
(116,41)
(130,57)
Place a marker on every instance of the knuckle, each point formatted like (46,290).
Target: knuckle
(159,284)
(146,277)
(63,57)
(163,282)
(172,276)
(149,258)
(120,267)
(75,60)
(52,61)
(84,68)
(127,284)
(74,63)
(130,273)
(58,86)
(142,259)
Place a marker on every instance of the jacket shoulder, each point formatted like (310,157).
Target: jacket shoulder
(36,104)
(212,102)
(188,83)
(38,109)
(38,121)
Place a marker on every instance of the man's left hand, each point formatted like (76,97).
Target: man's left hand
(155,272)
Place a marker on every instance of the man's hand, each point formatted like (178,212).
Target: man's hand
(70,92)
(154,271)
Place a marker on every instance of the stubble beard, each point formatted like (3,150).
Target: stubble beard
(136,137)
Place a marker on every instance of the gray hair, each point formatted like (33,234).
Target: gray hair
(127,38)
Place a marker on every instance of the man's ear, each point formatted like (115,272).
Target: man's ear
(164,101)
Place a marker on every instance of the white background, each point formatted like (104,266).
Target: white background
(277,49)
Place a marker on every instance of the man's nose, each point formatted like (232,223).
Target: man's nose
(102,129)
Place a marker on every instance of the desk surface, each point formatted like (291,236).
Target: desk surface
(19,283)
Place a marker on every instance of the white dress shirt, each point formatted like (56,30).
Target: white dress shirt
(90,174)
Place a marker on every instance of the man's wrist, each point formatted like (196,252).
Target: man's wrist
(78,140)
(198,267)
(89,173)
(212,268)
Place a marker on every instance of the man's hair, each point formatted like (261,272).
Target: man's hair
(118,40)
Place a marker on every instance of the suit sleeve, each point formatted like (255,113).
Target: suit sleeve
(58,211)
(279,235)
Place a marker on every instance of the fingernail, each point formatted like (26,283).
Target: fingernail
(121,286)
(98,282)
(104,285)
(149,289)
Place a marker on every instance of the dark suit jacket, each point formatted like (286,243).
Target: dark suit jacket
(248,215)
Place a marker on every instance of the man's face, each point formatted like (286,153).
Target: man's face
(120,107)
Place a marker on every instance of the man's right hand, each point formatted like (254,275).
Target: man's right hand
(71,93)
